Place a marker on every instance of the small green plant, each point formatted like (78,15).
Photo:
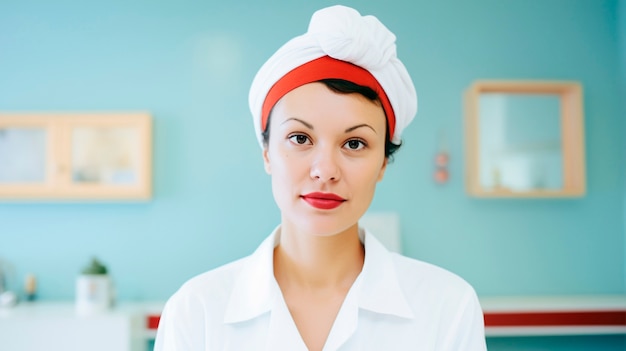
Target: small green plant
(95,268)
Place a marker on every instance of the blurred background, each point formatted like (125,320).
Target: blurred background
(190,64)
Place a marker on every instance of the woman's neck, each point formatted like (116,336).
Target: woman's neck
(318,262)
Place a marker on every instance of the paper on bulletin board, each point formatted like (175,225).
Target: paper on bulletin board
(385,226)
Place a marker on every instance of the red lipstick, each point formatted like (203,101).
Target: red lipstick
(323,201)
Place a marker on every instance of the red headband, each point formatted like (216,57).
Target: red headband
(326,67)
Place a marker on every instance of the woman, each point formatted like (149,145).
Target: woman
(329,108)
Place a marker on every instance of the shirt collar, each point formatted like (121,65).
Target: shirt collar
(380,289)
(255,288)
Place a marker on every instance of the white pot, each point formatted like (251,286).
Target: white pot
(94,293)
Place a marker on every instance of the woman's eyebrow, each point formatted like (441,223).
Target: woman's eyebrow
(308,125)
(359,126)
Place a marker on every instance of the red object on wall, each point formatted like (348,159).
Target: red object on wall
(441,167)
(441,175)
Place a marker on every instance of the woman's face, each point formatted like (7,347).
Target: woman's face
(325,155)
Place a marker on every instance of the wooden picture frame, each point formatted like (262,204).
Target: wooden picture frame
(75,156)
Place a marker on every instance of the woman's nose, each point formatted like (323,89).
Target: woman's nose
(325,166)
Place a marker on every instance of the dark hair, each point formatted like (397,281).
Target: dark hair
(342,86)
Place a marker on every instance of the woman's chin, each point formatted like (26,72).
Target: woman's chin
(326,227)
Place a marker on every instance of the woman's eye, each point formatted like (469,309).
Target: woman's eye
(355,144)
(299,139)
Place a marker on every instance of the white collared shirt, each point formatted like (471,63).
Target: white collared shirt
(396,303)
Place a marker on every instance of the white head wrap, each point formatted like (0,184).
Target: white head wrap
(342,33)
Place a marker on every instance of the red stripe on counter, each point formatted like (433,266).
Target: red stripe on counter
(545,319)
(153,321)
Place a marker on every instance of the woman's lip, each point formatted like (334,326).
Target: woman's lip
(324,201)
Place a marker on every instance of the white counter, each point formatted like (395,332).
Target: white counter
(55,326)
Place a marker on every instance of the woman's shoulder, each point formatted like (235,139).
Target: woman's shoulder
(212,285)
(213,289)
(417,275)
(443,300)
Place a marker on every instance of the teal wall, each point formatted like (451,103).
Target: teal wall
(622,43)
(190,63)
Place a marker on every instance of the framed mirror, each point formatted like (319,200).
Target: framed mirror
(524,139)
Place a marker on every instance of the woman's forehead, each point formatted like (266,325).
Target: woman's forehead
(315,103)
